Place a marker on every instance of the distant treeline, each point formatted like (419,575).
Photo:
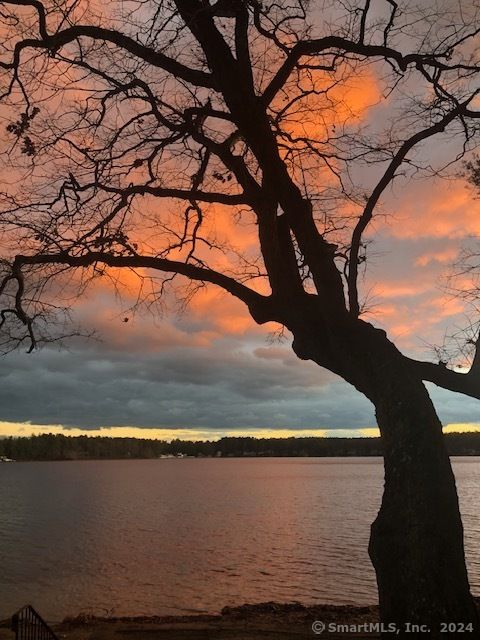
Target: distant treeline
(60,447)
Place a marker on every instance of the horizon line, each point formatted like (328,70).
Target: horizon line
(27,429)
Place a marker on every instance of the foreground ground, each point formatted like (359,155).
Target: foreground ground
(269,621)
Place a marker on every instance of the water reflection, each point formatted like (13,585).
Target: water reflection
(170,536)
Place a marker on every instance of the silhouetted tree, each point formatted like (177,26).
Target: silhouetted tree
(136,128)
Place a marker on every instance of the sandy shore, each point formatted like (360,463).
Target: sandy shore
(269,621)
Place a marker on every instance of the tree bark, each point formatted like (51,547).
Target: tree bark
(416,543)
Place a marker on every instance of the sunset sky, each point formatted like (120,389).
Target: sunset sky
(210,371)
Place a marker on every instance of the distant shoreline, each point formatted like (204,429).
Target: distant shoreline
(58,447)
(273,457)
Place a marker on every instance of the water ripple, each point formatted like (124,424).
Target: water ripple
(183,536)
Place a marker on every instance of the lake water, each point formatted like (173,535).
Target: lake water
(193,535)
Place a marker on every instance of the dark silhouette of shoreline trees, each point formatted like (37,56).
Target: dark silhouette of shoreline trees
(61,447)
(136,129)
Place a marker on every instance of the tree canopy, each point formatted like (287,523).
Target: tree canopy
(195,142)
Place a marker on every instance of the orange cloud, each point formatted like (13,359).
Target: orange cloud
(390,290)
(439,209)
(334,104)
(412,310)
(444,306)
(442,257)
(225,314)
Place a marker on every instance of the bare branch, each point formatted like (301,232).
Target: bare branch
(257,303)
(54,42)
(332,45)
(382,184)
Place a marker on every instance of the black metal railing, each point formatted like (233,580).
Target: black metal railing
(29,625)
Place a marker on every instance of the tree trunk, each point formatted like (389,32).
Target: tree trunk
(416,543)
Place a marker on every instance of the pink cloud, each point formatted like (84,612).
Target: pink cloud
(443,257)
(433,209)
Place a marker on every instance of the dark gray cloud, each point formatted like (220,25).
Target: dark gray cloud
(454,407)
(224,386)
(230,385)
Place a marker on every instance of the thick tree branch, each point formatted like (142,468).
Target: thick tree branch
(18,310)
(258,304)
(342,45)
(439,374)
(180,194)
(475,368)
(39,8)
(253,123)
(157,59)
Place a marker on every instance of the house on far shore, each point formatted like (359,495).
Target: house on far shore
(5,459)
